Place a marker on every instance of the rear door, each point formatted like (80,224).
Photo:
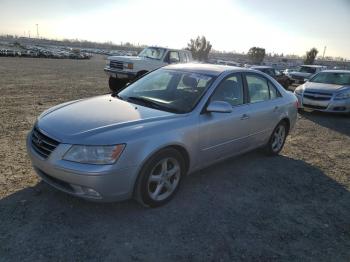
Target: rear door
(265,103)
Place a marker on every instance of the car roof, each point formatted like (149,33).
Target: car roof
(167,48)
(206,69)
(261,67)
(316,66)
(336,71)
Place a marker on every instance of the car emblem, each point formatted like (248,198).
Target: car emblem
(39,142)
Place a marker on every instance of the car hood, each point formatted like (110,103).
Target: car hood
(311,86)
(301,74)
(74,122)
(130,58)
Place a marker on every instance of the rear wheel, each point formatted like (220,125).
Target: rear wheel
(277,139)
(116,84)
(160,178)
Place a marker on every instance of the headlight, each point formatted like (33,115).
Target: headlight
(108,62)
(343,95)
(128,65)
(98,155)
(299,90)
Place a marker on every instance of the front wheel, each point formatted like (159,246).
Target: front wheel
(277,139)
(160,178)
(116,84)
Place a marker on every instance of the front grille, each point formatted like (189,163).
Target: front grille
(315,107)
(43,144)
(318,96)
(116,64)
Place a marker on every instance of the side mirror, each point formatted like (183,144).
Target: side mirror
(219,107)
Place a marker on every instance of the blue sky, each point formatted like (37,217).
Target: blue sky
(232,25)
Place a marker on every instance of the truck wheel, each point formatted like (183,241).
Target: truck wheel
(116,84)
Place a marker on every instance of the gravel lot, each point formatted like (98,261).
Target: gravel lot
(294,207)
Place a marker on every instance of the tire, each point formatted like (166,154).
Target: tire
(160,178)
(116,84)
(277,139)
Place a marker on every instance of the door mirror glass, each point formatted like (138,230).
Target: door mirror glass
(219,107)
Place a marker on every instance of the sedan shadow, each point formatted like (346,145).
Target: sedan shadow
(336,122)
(250,208)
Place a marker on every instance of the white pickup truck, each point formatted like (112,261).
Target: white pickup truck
(122,69)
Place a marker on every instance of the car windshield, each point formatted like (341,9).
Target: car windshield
(152,52)
(264,70)
(307,69)
(335,78)
(169,90)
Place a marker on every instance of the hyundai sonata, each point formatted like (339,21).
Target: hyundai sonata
(141,141)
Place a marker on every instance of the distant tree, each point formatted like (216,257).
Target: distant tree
(200,48)
(256,55)
(310,56)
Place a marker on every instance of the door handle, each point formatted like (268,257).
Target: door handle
(244,117)
(275,108)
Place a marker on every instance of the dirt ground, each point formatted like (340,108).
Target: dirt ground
(294,207)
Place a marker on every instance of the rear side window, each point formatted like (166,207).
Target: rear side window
(258,88)
(230,90)
(274,93)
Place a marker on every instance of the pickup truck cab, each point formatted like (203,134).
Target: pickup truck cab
(122,69)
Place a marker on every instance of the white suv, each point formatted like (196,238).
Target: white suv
(122,69)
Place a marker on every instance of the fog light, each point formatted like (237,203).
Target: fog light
(91,192)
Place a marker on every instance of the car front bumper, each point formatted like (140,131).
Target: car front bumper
(119,74)
(332,106)
(105,183)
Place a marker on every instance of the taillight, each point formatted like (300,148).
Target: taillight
(296,104)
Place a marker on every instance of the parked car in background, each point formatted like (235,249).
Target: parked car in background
(284,80)
(229,63)
(305,72)
(327,91)
(122,69)
(142,141)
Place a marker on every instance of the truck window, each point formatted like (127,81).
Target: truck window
(174,57)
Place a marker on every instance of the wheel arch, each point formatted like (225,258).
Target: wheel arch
(141,72)
(287,121)
(180,148)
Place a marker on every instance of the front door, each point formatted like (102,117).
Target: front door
(225,134)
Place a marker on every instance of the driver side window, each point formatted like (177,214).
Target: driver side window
(230,90)
(174,57)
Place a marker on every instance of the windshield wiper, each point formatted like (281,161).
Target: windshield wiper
(115,94)
(153,104)
(145,101)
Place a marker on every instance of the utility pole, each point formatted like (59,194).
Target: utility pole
(324,52)
(37,31)
(29,33)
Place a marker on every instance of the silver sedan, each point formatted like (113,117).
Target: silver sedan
(142,141)
(327,91)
